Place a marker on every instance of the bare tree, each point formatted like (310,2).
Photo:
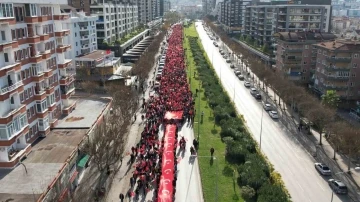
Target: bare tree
(334,134)
(321,117)
(350,143)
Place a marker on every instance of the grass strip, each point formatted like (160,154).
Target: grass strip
(238,160)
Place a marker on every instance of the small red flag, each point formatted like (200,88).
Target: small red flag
(108,52)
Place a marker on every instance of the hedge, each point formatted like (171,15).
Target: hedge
(254,170)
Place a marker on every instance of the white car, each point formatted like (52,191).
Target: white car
(337,186)
(237,73)
(241,77)
(274,114)
(267,107)
(247,84)
(253,91)
(323,169)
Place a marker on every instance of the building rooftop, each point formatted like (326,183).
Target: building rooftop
(95,55)
(341,45)
(49,154)
(109,62)
(85,114)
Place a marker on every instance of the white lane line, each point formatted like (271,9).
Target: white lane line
(307,169)
(300,186)
(320,186)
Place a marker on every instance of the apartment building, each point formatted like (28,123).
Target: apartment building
(262,21)
(115,20)
(83,34)
(167,6)
(296,56)
(338,68)
(145,13)
(232,13)
(35,87)
(83,5)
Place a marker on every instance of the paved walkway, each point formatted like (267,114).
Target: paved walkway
(310,142)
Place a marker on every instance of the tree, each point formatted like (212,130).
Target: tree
(334,135)
(321,118)
(349,140)
(331,99)
(247,192)
(271,193)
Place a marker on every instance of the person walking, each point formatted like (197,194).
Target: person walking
(212,150)
(121,196)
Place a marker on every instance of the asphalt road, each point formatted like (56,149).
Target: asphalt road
(295,165)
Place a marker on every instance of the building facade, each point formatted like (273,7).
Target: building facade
(145,13)
(115,20)
(167,6)
(33,50)
(232,13)
(296,56)
(83,35)
(262,21)
(337,68)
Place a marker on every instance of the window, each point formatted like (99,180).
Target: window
(21,97)
(6,57)
(305,62)
(6,10)
(28,113)
(354,65)
(32,110)
(41,106)
(33,10)
(19,14)
(356,55)
(353,74)
(26,94)
(306,46)
(352,83)
(27,137)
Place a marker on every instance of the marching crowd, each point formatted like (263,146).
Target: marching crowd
(173,95)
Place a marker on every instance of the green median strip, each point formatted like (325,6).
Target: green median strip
(237,165)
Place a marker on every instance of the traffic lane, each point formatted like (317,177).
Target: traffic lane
(306,176)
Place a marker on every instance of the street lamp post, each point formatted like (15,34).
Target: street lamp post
(261,125)
(332,193)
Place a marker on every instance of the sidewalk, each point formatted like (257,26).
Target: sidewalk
(310,143)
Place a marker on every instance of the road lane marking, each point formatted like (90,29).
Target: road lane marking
(307,169)
(300,186)
(320,186)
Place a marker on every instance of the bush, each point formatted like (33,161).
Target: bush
(227,140)
(236,152)
(252,175)
(247,192)
(271,193)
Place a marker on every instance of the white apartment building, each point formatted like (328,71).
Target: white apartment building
(145,11)
(115,20)
(33,92)
(83,35)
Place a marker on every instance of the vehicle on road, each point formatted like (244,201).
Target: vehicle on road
(225,56)
(215,44)
(253,91)
(222,52)
(247,84)
(274,114)
(267,107)
(337,186)
(228,60)
(241,77)
(232,66)
(237,73)
(257,96)
(323,169)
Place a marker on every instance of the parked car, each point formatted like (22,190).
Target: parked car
(253,91)
(228,60)
(215,44)
(241,77)
(247,84)
(257,96)
(232,66)
(337,186)
(267,107)
(274,114)
(222,53)
(323,169)
(237,73)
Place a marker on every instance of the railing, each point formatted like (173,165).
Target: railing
(10,88)
(339,59)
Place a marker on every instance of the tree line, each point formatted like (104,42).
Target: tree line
(321,113)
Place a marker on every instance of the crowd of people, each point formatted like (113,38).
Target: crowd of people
(173,95)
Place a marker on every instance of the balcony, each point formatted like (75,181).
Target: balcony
(66,80)
(11,88)
(293,50)
(45,54)
(31,20)
(9,44)
(67,94)
(335,87)
(62,33)
(85,46)
(336,77)
(338,59)
(33,39)
(63,48)
(335,68)
(86,37)
(7,21)
(16,156)
(61,17)
(13,112)
(40,94)
(65,64)
(44,37)
(36,59)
